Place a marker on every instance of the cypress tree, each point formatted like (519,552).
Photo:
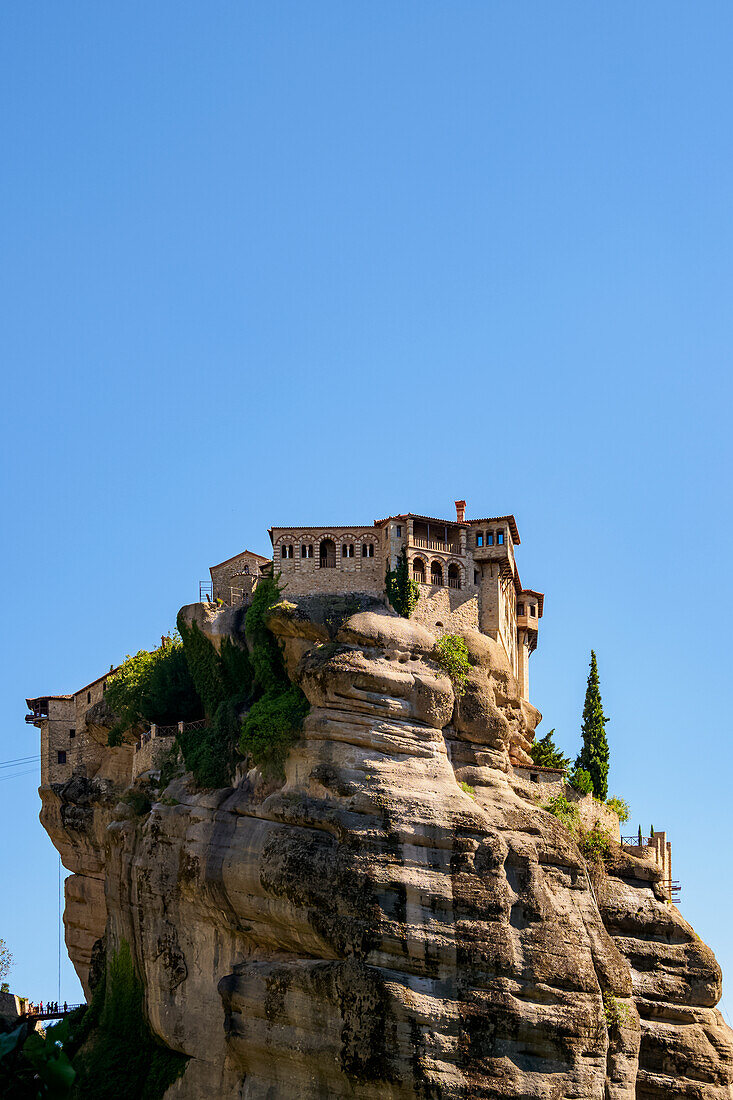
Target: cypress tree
(593,756)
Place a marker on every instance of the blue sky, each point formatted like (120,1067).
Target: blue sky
(271,263)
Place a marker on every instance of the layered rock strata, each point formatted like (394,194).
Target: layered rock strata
(397,919)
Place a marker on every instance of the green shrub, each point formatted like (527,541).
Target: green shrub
(205,667)
(581,781)
(566,812)
(224,682)
(402,592)
(210,754)
(153,686)
(451,653)
(275,719)
(267,661)
(620,807)
(616,1013)
(596,844)
(468,788)
(121,1056)
(546,754)
(272,727)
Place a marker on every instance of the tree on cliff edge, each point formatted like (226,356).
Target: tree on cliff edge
(6,959)
(593,756)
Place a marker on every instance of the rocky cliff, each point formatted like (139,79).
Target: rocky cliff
(370,928)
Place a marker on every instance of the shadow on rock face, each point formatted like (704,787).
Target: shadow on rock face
(372,930)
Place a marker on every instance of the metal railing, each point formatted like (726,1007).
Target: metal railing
(156,731)
(327,562)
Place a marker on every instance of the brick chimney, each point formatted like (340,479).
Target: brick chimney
(460,511)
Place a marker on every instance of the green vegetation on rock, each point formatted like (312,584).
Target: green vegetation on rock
(153,686)
(223,681)
(276,716)
(620,807)
(402,592)
(566,812)
(580,780)
(120,1055)
(451,653)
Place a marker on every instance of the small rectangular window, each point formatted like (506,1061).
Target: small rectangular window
(72,733)
(475,577)
(489,538)
(480,538)
(344,550)
(399,531)
(534,609)
(89,697)
(520,609)
(304,551)
(61,756)
(499,538)
(371,550)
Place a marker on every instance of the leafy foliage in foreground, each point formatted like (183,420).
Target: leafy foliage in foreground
(33,1066)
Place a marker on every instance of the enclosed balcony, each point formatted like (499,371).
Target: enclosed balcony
(436,536)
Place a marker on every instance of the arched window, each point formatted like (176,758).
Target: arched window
(418,570)
(454,576)
(436,573)
(327,554)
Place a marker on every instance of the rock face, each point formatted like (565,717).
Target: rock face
(371,928)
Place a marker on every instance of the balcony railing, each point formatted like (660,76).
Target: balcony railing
(437,544)
(436,580)
(329,562)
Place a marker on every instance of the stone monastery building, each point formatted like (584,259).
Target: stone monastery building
(465,569)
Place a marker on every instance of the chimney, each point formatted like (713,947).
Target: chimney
(460,511)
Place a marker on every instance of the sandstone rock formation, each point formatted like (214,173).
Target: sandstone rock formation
(369,928)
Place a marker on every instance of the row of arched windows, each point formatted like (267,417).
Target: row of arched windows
(327,551)
(437,576)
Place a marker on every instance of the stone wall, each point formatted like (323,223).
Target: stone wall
(447,610)
(151,754)
(230,577)
(305,576)
(11,1007)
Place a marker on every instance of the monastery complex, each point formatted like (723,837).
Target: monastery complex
(465,570)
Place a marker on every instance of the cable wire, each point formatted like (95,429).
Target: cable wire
(5,778)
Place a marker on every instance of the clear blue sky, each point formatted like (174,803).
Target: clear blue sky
(271,263)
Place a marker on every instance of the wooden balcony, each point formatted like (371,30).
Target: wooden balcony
(436,544)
